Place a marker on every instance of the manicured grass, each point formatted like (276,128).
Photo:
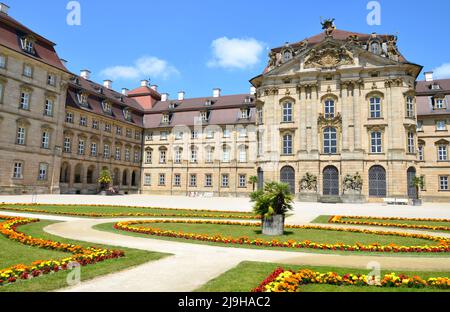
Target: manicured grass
(133,257)
(248,275)
(324,219)
(62,209)
(292,234)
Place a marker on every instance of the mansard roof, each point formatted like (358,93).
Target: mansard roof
(424,94)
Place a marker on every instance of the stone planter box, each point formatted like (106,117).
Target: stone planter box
(273,226)
(308,197)
(353,198)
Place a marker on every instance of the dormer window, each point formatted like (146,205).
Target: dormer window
(435,86)
(375,48)
(204,116)
(208,103)
(82,98)
(166,118)
(27,44)
(247,100)
(173,105)
(245,113)
(127,114)
(438,102)
(287,55)
(107,107)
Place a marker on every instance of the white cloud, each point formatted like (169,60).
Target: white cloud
(144,67)
(442,71)
(235,53)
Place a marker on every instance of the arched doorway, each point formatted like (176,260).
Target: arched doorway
(78,177)
(260,179)
(125,178)
(331,181)
(65,173)
(377,182)
(287,175)
(410,178)
(133,179)
(90,175)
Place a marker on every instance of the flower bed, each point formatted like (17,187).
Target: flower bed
(443,244)
(341,220)
(81,255)
(193,213)
(289,281)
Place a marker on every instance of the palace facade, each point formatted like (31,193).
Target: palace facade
(338,116)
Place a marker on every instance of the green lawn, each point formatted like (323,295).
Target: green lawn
(324,219)
(248,275)
(55,209)
(12,253)
(292,234)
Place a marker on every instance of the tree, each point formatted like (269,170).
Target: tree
(253,180)
(105,179)
(272,203)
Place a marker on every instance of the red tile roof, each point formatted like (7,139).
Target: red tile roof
(424,92)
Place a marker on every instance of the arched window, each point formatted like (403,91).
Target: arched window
(330,141)
(226,154)
(287,144)
(287,55)
(375,107)
(377,181)
(330,109)
(287,112)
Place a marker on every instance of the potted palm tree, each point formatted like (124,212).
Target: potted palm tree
(272,203)
(418,183)
(253,180)
(105,180)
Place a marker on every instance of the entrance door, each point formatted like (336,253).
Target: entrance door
(377,182)
(331,181)
(288,177)
(411,188)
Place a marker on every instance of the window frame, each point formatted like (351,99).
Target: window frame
(327,142)
(375,108)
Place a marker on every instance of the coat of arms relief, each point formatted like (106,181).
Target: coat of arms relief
(329,57)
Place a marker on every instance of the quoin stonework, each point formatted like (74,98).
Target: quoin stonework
(340,117)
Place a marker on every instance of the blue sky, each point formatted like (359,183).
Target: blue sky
(198,45)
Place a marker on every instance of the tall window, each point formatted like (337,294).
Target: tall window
(81,147)
(177,180)
(208,180)
(106,151)
(242,180)
(209,155)
(193,180)
(106,107)
(45,142)
(21,133)
(95,124)
(43,169)
(148,156)
(376,142)
(136,156)
(194,134)
(420,151)
(94,149)
(329,108)
(24,100)
(442,152)
(243,154)
(411,145)
(83,121)
(107,127)
(51,80)
(163,135)
(225,180)
(226,133)
(287,144)
(127,154)
(1,92)
(226,154)
(419,125)
(27,45)
(28,71)
(118,155)
(287,112)
(162,156)
(69,117)
(330,141)
(18,170)
(67,145)
(2,61)
(375,107)
(48,108)
(443,183)
(147,179)
(410,107)
(162,179)
(193,155)
(178,155)
(260,115)
(118,130)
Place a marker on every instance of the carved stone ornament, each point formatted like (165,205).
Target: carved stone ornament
(329,58)
(271,91)
(330,122)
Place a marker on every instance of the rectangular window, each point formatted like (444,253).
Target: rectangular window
(118,155)
(225,180)
(439,104)
(420,151)
(147,179)
(2,89)
(226,133)
(137,135)
(18,168)
(127,154)
(287,144)
(411,144)
(245,114)
(226,155)
(287,112)
(210,134)
(376,142)
(94,149)
(193,155)
(209,155)
(260,116)
(177,180)
(43,169)
(106,151)
(242,155)
(193,180)
(179,135)
(95,124)
(329,108)
(443,183)
(194,134)
(162,157)
(149,136)
(118,130)
(24,101)
(48,108)
(165,119)
(21,132)
(208,180)
(148,156)
(242,181)
(136,156)
(83,121)
(441,125)
(28,71)
(107,127)
(69,117)
(2,61)
(164,135)
(242,133)
(178,155)
(67,145)
(375,107)
(442,153)
(162,179)
(81,147)
(420,125)
(45,142)
(129,133)
(410,107)
(51,80)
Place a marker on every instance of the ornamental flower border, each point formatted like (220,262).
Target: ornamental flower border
(442,246)
(203,214)
(81,255)
(289,281)
(339,220)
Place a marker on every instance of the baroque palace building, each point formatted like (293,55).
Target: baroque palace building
(338,116)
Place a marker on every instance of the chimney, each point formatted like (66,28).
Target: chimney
(125,91)
(216,92)
(252,90)
(4,8)
(429,76)
(154,88)
(107,84)
(164,97)
(181,95)
(86,74)
(144,83)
